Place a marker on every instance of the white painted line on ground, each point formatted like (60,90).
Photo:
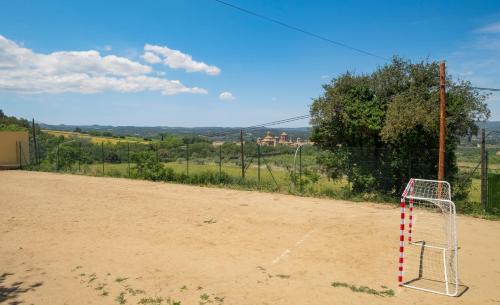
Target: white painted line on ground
(286,252)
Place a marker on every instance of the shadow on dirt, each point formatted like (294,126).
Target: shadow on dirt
(12,291)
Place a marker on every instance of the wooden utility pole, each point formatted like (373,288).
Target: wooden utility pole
(242,155)
(442,119)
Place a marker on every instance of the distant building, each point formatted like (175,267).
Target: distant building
(283,139)
(268,140)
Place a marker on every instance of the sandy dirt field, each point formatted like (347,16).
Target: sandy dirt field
(74,240)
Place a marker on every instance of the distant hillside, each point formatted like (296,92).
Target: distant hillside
(214,133)
(493,125)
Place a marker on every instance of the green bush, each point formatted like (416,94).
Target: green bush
(12,127)
(468,207)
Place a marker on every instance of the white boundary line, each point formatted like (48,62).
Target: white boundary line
(286,252)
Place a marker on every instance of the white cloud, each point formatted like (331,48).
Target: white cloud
(177,60)
(226,96)
(491,28)
(23,70)
(151,58)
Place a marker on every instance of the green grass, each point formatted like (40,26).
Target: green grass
(121,279)
(364,289)
(100,286)
(94,139)
(151,300)
(281,175)
(173,302)
(134,292)
(12,127)
(120,299)
(475,191)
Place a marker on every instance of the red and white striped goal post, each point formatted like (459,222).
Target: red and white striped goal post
(402,229)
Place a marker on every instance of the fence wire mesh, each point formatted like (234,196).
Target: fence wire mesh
(353,171)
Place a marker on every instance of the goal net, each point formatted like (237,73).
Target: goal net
(428,238)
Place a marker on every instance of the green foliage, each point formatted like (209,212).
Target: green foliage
(364,289)
(12,127)
(64,156)
(151,300)
(99,133)
(9,123)
(380,129)
(120,299)
(493,205)
(147,167)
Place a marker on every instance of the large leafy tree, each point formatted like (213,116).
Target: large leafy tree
(381,128)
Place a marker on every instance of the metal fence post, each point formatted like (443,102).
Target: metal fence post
(157,158)
(79,155)
(37,161)
(220,163)
(242,155)
(300,168)
(187,159)
(484,195)
(57,157)
(128,157)
(258,164)
(487,205)
(102,154)
(348,173)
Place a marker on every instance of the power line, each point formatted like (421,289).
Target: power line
(297,29)
(487,89)
(279,122)
(260,126)
(338,43)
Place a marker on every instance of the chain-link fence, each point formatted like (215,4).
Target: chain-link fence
(260,167)
(349,173)
(493,203)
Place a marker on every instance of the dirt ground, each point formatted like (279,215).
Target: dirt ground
(67,239)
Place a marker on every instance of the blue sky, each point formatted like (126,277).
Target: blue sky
(85,62)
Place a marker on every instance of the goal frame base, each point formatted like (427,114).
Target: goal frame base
(430,290)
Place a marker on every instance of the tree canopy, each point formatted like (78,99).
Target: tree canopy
(381,128)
